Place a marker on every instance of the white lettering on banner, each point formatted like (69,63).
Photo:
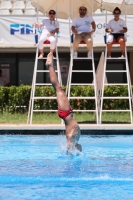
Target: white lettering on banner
(19,30)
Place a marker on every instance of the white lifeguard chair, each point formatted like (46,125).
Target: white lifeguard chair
(70,83)
(35,83)
(128,84)
(110,4)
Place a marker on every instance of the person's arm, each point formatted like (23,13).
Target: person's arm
(56,28)
(74,30)
(93,26)
(55,31)
(108,29)
(37,25)
(73,135)
(124,30)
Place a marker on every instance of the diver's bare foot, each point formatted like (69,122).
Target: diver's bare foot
(49,59)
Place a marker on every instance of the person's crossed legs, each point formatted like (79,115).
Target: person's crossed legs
(71,125)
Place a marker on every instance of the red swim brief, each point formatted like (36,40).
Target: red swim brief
(64,113)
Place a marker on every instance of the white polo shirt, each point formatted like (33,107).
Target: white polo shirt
(116,26)
(83,24)
(49,25)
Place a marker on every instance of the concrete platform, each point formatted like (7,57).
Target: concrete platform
(54,129)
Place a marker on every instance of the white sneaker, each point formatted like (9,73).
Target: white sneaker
(41,56)
(75,55)
(89,55)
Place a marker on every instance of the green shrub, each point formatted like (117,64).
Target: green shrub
(4,92)
(16,99)
(116,104)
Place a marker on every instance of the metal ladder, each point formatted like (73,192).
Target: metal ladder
(34,84)
(93,84)
(128,84)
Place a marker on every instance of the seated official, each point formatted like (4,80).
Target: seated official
(116,27)
(49,28)
(83,27)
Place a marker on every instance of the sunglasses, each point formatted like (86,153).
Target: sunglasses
(82,9)
(116,13)
(51,13)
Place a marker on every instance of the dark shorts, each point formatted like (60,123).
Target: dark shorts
(117,35)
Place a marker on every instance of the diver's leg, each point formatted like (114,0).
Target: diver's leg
(62,100)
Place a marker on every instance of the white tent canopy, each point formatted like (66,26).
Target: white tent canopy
(110,5)
(110,1)
(69,8)
(129,2)
(66,8)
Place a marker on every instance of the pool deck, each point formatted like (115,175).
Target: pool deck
(54,128)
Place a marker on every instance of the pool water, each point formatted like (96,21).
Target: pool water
(37,168)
